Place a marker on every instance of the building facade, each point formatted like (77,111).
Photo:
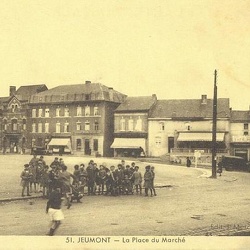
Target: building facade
(14,119)
(182,127)
(131,126)
(240,133)
(75,118)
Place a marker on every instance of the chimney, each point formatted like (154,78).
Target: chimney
(12,90)
(204,99)
(154,97)
(87,82)
(111,94)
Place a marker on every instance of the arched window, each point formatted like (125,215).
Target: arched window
(14,124)
(130,124)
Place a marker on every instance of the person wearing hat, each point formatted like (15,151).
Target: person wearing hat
(53,178)
(148,176)
(25,179)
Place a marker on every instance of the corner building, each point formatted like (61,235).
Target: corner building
(75,118)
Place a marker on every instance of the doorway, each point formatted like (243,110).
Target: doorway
(87,149)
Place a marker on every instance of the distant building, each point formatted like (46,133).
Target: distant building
(240,133)
(75,118)
(179,127)
(131,126)
(15,118)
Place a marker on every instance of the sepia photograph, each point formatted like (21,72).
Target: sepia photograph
(125,124)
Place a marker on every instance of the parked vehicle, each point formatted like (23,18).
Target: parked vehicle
(40,151)
(231,163)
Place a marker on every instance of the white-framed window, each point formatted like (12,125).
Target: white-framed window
(158,141)
(130,124)
(87,126)
(57,111)
(5,124)
(138,126)
(187,126)
(66,127)
(122,124)
(78,126)
(87,111)
(162,126)
(58,127)
(96,111)
(33,113)
(14,124)
(40,127)
(24,124)
(40,112)
(66,111)
(33,128)
(47,112)
(96,125)
(46,127)
(79,111)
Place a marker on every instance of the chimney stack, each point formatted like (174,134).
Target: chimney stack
(12,90)
(154,97)
(111,94)
(87,82)
(204,99)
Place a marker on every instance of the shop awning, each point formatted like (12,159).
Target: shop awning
(200,137)
(129,143)
(60,142)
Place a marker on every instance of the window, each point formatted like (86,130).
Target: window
(33,113)
(245,126)
(78,126)
(14,124)
(78,144)
(95,146)
(87,111)
(122,124)
(57,112)
(66,127)
(24,124)
(162,126)
(158,141)
(187,126)
(130,124)
(245,132)
(46,127)
(47,112)
(87,126)
(33,128)
(40,112)
(79,111)
(12,108)
(96,126)
(96,111)
(87,97)
(5,124)
(58,127)
(66,112)
(40,127)
(138,126)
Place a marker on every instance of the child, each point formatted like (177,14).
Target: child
(148,176)
(45,181)
(153,177)
(137,180)
(26,176)
(54,210)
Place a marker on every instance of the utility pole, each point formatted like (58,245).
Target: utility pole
(214,127)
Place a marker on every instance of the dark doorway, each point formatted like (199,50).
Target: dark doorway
(87,150)
(170,143)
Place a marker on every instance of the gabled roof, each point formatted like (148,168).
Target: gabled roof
(138,103)
(26,91)
(240,115)
(190,108)
(78,92)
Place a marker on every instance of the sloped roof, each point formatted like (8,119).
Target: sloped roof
(26,91)
(240,115)
(138,103)
(78,92)
(190,108)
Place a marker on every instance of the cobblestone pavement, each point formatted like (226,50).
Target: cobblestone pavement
(187,203)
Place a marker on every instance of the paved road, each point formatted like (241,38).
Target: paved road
(194,205)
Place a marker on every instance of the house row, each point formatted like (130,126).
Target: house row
(93,119)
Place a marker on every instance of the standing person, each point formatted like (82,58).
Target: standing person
(53,178)
(83,177)
(91,178)
(188,162)
(55,163)
(45,181)
(137,180)
(25,176)
(76,173)
(153,177)
(119,179)
(53,208)
(64,179)
(101,179)
(42,160)
(147,179)
(219,170)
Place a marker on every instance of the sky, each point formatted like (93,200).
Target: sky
(165,47)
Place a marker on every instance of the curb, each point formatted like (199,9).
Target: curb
(19,198)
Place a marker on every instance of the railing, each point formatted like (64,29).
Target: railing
(202,150)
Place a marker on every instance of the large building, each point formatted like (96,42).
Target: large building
(180,127)
(131,126)
(14,118)
(75,118)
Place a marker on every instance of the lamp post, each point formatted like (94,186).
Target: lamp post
(214,127)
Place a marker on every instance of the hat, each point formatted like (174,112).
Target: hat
(26,165)
(147,167)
